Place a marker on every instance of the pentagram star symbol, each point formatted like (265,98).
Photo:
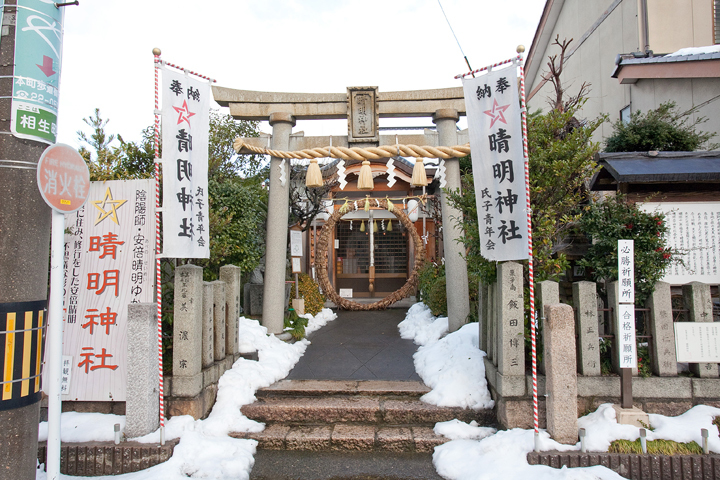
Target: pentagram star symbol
(101,205)
(497,113)
(184,113)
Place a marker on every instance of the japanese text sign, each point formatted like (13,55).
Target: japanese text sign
(36,81)
(626,271)
(697,342)
(626,336)
(109,263)
(185,127)
(63,178)
(495,130)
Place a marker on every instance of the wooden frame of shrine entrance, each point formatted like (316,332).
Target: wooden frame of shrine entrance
(362,107)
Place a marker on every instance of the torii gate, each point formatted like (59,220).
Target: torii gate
(362,107)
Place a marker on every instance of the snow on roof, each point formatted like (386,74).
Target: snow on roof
(695,51)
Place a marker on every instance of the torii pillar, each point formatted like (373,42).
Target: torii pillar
(458,300)
(277,227)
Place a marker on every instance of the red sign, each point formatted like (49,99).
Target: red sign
(63,178)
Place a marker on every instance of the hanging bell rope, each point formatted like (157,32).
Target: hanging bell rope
(360,154)
(313,177)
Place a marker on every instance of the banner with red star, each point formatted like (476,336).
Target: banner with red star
(495,129)
(185,127)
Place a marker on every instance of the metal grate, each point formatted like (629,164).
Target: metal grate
(353,254)
(716,17)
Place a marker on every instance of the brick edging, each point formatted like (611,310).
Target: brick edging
(106,458)
(637,467)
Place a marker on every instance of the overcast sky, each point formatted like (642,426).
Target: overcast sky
(278,46)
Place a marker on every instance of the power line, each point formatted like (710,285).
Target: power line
(456,39)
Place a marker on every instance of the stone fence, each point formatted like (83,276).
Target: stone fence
(206,343)
(502,336)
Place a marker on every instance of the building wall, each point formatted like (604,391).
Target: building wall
(594,60)
(676,24)
(673,24)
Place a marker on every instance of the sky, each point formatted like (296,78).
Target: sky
(304,46)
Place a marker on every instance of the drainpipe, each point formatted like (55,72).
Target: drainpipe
(644,28)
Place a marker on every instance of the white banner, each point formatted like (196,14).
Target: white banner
(694,230)
(495,129)
(626,271)
(626,336)
(185,127)
(109,263)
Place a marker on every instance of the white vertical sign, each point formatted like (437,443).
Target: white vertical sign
(626,297)
(185,127)
(495,130)
(626,271)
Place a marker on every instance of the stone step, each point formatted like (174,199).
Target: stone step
(358,409)
(346,437)
(315,388)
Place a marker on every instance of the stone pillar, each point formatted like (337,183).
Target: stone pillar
(187,331)
(586,321)
(561,376)
(208,321)
(142,405)
(277,227)
(698,301)
(511,325)
(548,293)
(219,320)
(230,274)
(458,299)
(492,323)
(664,360)
(483,317)
(613,296)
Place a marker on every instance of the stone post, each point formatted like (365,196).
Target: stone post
(492,323)
(458,299)
(586,321)
(208,333)
(613,296)
(277,227)
(561,376)
(511,325)
(230,274)
(187,331)
(142,405)
(548,293)
(219,320)
(483,317)
(698,301)
(664,360)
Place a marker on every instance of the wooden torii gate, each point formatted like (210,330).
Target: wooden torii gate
(362,107)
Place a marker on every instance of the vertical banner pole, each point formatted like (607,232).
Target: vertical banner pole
(531,283)
(53,360)
(158,284)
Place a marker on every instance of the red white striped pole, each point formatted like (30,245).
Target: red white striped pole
(531,283)
(158,284)
(490,67)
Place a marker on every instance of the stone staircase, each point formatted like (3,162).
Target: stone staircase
(351,416)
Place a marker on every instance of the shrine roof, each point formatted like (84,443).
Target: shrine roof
(655,167)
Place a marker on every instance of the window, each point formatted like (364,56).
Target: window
(625,115)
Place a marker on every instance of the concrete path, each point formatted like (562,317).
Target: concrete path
(358,346)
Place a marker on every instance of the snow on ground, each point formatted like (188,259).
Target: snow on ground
(449,363)
(205,450)
(452,365)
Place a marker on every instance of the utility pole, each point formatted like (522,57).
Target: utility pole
(27,127)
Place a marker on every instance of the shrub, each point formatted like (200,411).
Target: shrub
(613,219)
(310,292)
(431,287)
(663,129)
(295,324)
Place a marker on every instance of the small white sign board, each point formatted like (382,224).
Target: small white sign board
(626,340)
(697,342)
(626,271)
(296,249)
(346,292)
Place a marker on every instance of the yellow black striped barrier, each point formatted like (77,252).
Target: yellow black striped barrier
(22,328)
